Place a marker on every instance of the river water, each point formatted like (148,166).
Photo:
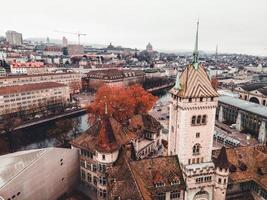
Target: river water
(56,133)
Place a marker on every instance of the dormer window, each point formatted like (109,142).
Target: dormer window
(160,184)
(175,181)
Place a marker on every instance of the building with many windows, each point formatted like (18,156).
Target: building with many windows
(253,92)
(27,97)
(110,152)
(14,38)
(73,80)
(27,68)
(234,173)
(113,77)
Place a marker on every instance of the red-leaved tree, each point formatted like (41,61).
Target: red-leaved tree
(122,102)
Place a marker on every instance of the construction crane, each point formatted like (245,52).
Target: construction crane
(78,34)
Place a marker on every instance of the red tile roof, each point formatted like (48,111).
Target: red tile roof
(248,163)
(106,141)
(27,65)
(29,87)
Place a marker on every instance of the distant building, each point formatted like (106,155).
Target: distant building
(27,68)
(73,80)
(249,117)
(2,71)
(253,92)
(29,97)
(75,49)
(39,174)
(14,38)
(114,77)
(52,51)
(64,41)
(149,48)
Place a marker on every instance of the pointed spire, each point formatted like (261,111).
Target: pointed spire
(195,53)
(106,108)
(222,160)
(177,85)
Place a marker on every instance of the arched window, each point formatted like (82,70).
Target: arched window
(196,149)
(198,119)
(264,102)
(204,119)
(193,120)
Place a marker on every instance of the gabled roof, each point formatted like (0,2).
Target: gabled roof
(194,82)
(163,169)
(121,182)
(253,86)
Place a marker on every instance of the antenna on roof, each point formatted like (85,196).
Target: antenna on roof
(195,52)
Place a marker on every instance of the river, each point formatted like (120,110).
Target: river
(51,134)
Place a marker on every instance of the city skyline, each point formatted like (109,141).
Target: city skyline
(236,27)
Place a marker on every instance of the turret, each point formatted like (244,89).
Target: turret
(221,175)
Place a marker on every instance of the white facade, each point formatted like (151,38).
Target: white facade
(25,97)
(64,78)
(192,142)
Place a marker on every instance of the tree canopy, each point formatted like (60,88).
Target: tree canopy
(121,102)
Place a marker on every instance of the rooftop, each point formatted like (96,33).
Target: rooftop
(194,83)
(108,131)
(248,163)
(29,87)
(35,75)
(244,105)
(110,74)
(253,86)
(144,179)
(27,64)
(164,170)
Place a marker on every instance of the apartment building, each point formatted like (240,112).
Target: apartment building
(28,96)
(14,38)
(73,80)
(27,68)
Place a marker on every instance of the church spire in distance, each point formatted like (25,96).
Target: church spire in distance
(195,53)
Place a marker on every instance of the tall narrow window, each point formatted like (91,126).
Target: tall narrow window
(198,119)
(193,120)
(204,119)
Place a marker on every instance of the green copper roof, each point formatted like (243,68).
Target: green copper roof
(195,53)
(177,85)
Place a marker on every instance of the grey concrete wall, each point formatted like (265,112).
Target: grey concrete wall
(46,178)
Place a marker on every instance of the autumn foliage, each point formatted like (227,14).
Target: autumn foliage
(122,102)
(214,83)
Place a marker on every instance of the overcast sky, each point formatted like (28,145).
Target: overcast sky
(235,25)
